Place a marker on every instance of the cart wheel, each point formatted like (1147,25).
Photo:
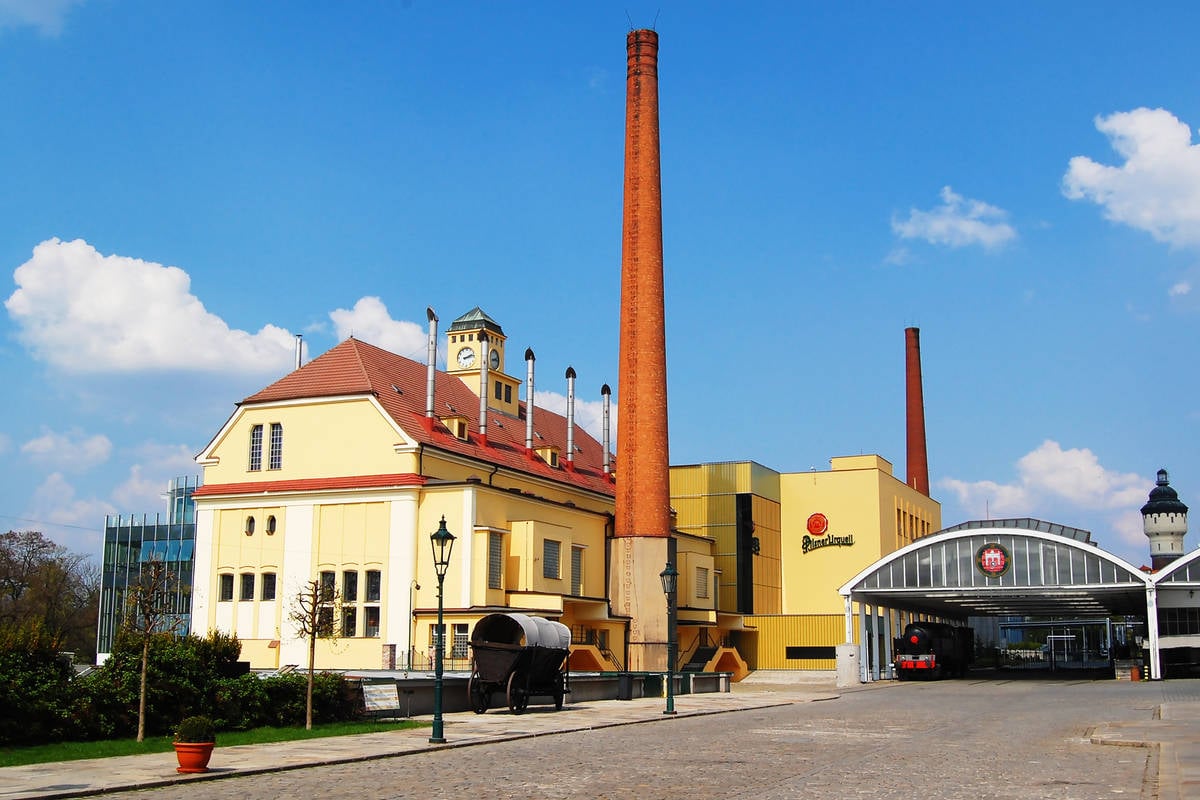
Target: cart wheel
(517,699)
(480,697)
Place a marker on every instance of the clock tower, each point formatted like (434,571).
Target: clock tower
(475,343)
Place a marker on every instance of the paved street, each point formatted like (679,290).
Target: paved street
(979,739)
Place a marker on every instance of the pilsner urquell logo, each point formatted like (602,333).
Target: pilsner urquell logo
(993,560)
(818,526)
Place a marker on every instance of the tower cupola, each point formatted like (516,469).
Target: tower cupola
(1164,521)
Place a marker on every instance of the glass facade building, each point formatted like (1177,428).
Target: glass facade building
(130,542)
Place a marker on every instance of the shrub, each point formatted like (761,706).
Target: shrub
(35,686)
(195,730)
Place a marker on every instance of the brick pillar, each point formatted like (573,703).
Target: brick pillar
(918,462)
(642,523)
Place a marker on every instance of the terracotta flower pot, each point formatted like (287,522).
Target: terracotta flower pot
(193,756)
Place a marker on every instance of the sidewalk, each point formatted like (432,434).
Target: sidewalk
(93,776)
(1175,733)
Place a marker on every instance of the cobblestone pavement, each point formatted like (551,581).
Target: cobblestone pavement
(977,739)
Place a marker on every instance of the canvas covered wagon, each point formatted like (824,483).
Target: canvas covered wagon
(519,655)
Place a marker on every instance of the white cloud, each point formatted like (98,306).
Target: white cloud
(1157,189)
(1180,289)
(143,489)
(957,222)
(54,501)
(45,15)
(898,257)
(370,321)
(1051,480)
(72,450)
(589,414)
(81,311)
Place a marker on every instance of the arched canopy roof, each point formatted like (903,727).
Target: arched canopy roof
(1051,570)
(1183,571)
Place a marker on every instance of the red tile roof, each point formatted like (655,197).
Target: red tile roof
(312,484)
(357,368)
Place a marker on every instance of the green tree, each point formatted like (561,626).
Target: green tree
(44,583)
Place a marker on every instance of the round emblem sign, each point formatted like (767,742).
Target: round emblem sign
(818,524)
(993,559)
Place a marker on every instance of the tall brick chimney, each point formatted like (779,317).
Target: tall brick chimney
(643,491)
(918,461)
(643,523)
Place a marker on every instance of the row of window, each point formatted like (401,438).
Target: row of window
(1179,621)
(552,564)
(266,583)
(266,586)
(274,455)
(270,525)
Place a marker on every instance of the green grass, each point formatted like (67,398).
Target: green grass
(72,751)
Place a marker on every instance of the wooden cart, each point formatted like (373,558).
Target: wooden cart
(519,655)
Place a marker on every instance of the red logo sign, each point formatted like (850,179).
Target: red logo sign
(993,560)
(818,524)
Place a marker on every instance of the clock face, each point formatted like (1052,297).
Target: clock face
(494,360)
(466,357)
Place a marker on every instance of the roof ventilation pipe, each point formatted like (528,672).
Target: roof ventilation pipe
(571,418)
(606,394)
(431,369)
(483,388)
(529,401)
(299,350)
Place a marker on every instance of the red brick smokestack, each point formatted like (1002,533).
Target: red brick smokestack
(918,461)
(643,479)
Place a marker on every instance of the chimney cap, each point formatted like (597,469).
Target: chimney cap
(570,373)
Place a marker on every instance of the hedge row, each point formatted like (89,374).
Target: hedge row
(42,701)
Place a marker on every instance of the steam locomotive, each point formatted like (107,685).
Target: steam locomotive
(934,650)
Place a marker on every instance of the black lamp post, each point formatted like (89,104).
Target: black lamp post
(670,583)
(442,542)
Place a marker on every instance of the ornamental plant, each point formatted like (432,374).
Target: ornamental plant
(196,730)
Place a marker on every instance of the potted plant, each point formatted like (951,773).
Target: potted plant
(194,741)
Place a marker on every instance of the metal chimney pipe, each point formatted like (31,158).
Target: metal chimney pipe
(918,461)
(606,394)
(299,350)
(570,418)
(483,388)
(529,401)
(431,361)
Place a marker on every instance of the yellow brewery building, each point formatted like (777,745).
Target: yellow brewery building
(339,472)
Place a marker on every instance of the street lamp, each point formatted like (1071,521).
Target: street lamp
(670,582)
(442,542)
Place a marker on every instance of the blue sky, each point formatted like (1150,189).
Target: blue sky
(186,186)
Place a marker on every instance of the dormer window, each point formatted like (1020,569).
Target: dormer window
(457,426)
(549,455)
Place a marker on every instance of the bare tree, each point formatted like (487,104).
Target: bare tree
(314,612)
(152,611)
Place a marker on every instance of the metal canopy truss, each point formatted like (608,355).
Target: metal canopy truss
(1051,571)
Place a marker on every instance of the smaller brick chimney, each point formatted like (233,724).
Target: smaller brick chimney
(918,461)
